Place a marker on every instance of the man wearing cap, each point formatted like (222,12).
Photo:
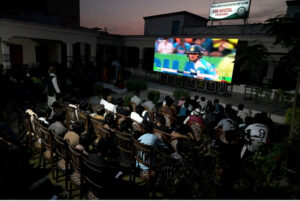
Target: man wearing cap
(198,67)
(195,117)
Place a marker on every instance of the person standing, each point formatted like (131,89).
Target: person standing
(53,88)
(117,66)
(165,47)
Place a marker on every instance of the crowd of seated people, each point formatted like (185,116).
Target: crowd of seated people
(167,125)
(235,134)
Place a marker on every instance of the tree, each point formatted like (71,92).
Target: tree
(252,59)
(284,30)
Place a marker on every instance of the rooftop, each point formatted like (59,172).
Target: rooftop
(176,13)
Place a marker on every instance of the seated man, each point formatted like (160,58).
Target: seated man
(168,107)
(226,124)
(100,113)
(203,104)
(149,104)
(195,117)
(256,135)
(43,115)
(73,136)
(181,132)
(150,139)
(184,111)
(58,127)
(109,121)
(126,126)
(84,106)
(120,107)
(241,112)
(107,177)
(160,123)
(135,99)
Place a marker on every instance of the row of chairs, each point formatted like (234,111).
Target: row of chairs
(66,159)
(71,162)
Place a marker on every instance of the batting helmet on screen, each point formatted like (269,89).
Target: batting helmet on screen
(195,49)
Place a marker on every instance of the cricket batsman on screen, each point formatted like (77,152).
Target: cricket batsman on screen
(200,68)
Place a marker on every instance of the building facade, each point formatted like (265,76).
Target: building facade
(31,42)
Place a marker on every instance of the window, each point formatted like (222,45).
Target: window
(41,53)
(175,27)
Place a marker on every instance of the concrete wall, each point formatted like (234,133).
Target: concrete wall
(22,32)
(28,46)
(190,21)
(293,10)
(162,25)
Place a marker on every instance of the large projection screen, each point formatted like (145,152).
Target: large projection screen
(180,56)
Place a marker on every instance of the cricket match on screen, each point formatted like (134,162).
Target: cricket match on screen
(201,58)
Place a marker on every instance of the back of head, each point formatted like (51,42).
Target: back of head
(186,104)
(43,111)
(180,129)
(60,116)
(228,109)
(160,119)
(264,116)
(216,101)
(78,127)
(109,119)
(83,105)
(209,103)
(229,136)
(169,102)
(129,108)
(103,146)
(100,110)
(228,106)
(196,97)
(258,118)
(55,105)
(240,106)
(125,125)
(85,139)
(148,126)
(139,109)
(150,96)
(137,93)
(249,120)
(220,108)
(202,98)
(52,69)
(120,102)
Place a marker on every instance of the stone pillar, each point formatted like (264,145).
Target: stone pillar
(141,57)
(82,52)
(6,55)
(93,54)
(69,54)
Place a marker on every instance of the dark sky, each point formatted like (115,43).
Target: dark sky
(126,16)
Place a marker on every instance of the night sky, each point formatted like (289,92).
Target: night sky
(126,16)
